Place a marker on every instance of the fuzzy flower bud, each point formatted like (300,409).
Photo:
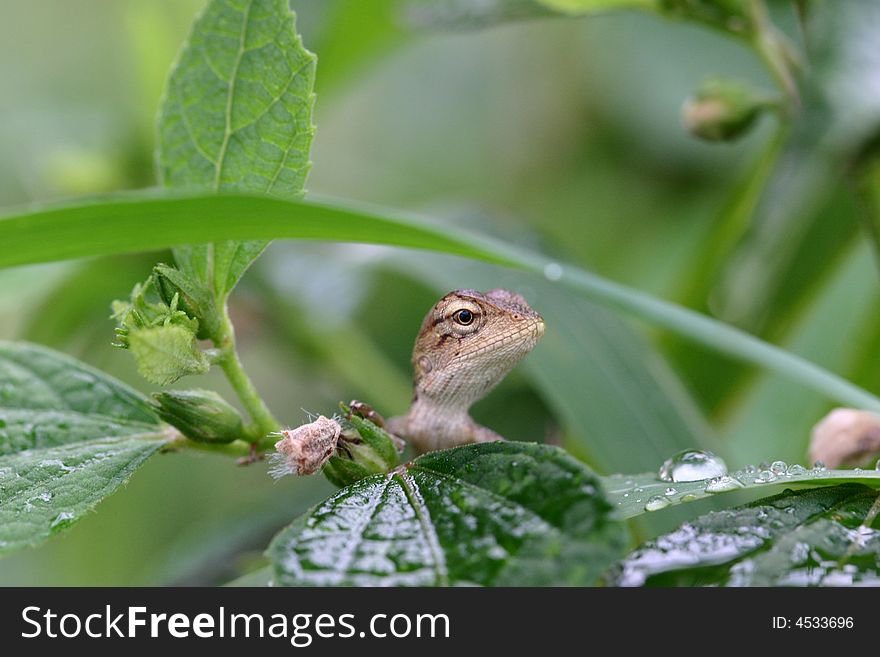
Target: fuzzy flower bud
(302,451)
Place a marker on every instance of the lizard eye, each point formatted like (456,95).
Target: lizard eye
(464,317)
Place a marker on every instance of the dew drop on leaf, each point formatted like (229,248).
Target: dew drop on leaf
(656,503)
(692,465)
(62,518)
(779,468)
(722,484)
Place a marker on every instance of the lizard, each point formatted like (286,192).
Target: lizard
(468,342)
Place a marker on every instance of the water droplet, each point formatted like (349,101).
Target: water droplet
(670,491)
(778,467)
(692,465)
(877,465)
(795,470)
(56,463)
(722,484)
(63,517)
(656,503)
(750,469)
(552,271)
(819,465)
(765,476)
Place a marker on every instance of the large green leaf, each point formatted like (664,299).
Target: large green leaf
(69,436)
(137,222)
(816,537)
(237,114)
(48,399)
(635,494)
(490,514)
(43,491)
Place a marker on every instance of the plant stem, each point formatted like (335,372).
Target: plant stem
(776,53)
(264,422)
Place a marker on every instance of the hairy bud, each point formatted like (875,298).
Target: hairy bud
(303,450)
(201,415)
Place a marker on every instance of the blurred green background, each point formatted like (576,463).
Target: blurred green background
(561,134)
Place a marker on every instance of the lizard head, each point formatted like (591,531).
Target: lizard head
(469,341)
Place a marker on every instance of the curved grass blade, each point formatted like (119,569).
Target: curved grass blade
(137,222)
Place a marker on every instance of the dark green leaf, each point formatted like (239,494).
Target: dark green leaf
(816,537)
(237,114)
(489,514)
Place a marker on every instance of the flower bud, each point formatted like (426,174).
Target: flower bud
(201,415)
(722,110)
(364,449)
(193,298)
(302,451)
(845,436)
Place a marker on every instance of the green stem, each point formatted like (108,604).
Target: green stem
(264,422)
(237,448)
(776,52)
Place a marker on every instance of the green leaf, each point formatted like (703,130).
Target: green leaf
(490,514)
(631,494)
(48,399)
(166,353)
(69,436)
(237,114)
(133,222)
(821,536)
(43,491)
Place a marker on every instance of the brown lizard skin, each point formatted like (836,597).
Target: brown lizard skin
(467,344)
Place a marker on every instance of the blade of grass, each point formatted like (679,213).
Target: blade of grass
(138,222)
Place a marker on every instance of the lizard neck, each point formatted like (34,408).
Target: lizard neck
(432,425)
